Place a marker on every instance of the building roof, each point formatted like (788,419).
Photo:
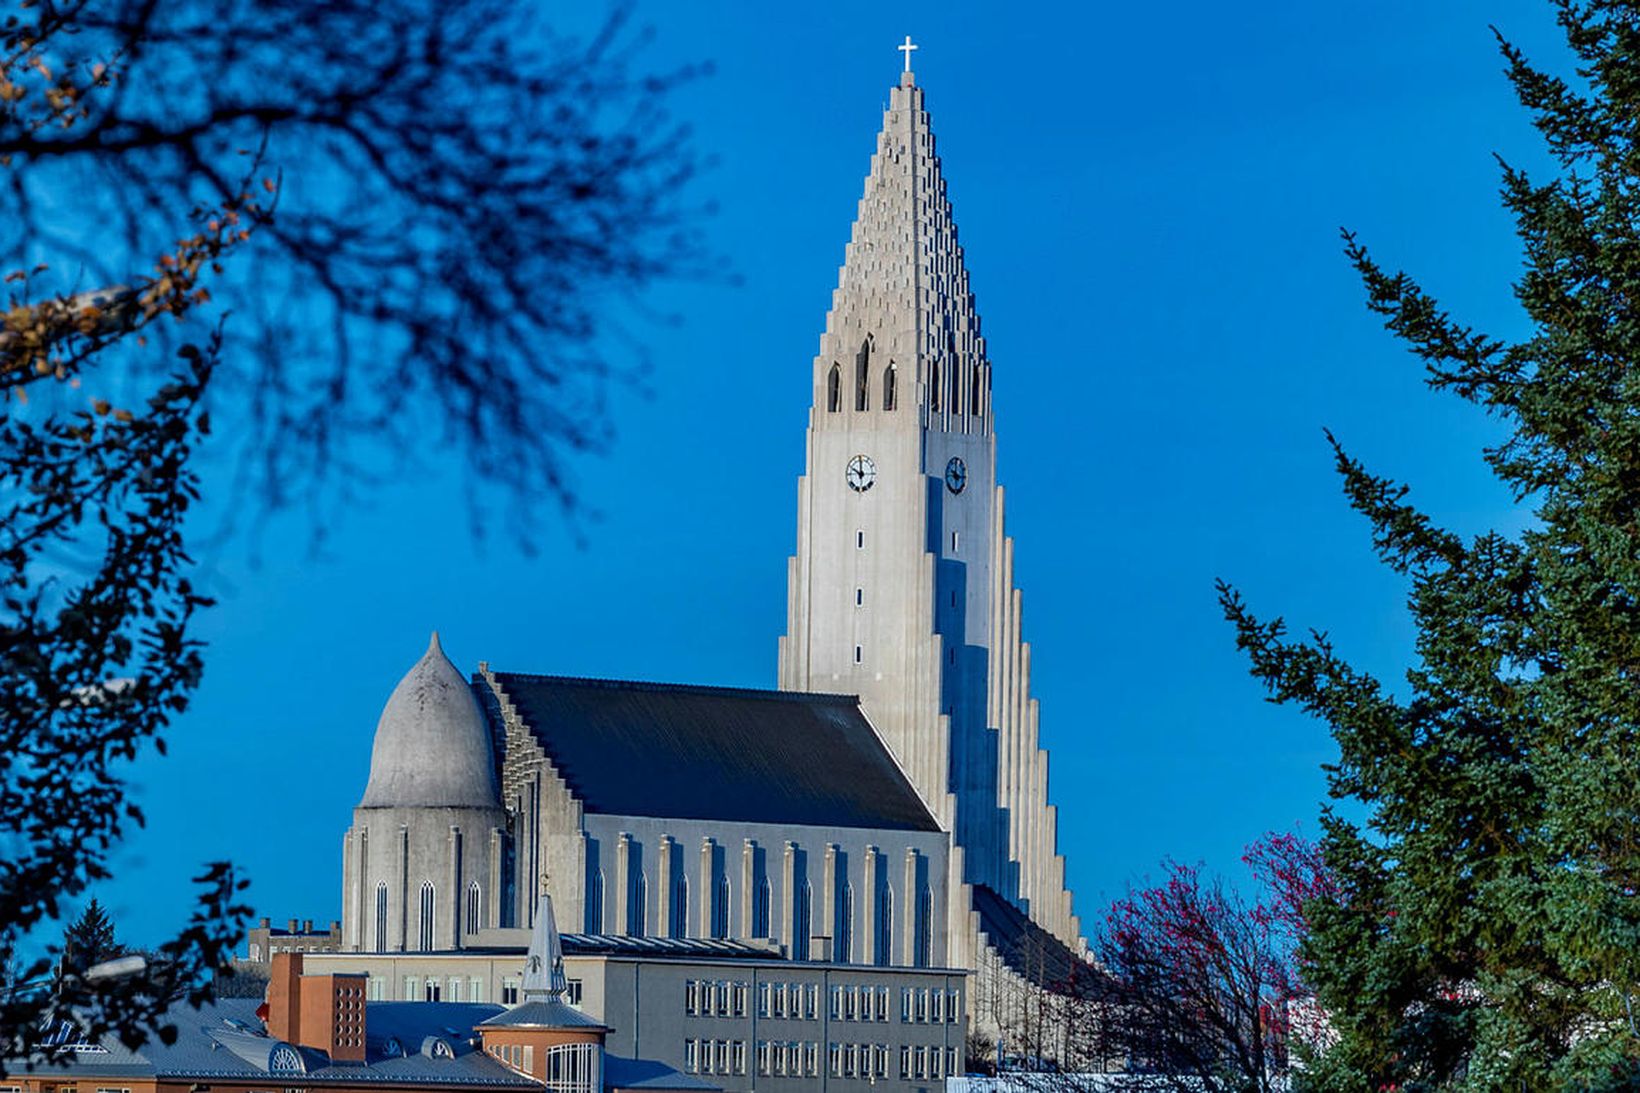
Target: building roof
(224,1042)
(710,948)
(543,1013)
(714,753)
(433,745)
(621,1073)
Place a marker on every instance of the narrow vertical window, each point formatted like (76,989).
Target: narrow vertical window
(954,541)
(426,936)
(760,910)
(859,654)
(862,377)
(475,907)
(934,385)
(680,910)
(885,938)
(800,939)
(889,391)
(720,910)
(845,926)
(640,907)
(859,597)
(859,540)
(925,928)
(381,916)
(834,389)
(974,392)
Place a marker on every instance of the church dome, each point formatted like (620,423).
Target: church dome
(432,744)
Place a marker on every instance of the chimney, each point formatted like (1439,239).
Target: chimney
(333,1015)
(265,923)
(292,927)
(284,1018)
(307,925)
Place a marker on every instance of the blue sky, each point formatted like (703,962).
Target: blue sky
(1149,198)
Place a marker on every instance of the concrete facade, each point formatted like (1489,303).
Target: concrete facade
(901,589)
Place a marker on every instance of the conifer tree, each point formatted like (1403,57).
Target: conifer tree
(1486,934)
(89,939)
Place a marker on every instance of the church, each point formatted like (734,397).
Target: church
(830,880)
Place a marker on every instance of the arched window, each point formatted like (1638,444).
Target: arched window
(760,910)
(426,936)
(974,391)
(680,910)
(475,907)
(381,916)
(934,386)
(862,377)
(925,928)
(720,911)
(844,942)
(800,929)
(888,386)
(834,389)
(640,907)
(884,949)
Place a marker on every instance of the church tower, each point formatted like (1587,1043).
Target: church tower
(901,590)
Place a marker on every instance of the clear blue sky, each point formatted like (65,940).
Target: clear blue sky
(1149,198)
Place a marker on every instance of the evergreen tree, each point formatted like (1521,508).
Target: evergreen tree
(89,939)
(1486,934)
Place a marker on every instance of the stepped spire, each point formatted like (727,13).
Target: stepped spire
(903,292)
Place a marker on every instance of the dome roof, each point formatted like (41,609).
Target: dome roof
(432,744)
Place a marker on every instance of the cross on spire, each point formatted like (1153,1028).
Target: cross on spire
(907,48)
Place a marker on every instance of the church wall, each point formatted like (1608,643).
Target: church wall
(392,852)
(851,877)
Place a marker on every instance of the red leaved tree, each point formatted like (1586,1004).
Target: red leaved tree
(1205,978)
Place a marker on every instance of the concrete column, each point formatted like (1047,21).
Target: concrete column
(708,887)
(908,918)
(748,879)
(621,923)
(452,920)
(662,888)
(872,906)
(788,919)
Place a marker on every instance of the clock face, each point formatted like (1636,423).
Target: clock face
(956,474)
(862,473)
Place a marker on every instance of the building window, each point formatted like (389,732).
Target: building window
(571,1068)
(883,950)
(888,387)
(934,386)
(680,910)
(475,907)
(834,389)
(859,654)
(974,390)
(862,377)
(640,907)
(954,541)
(431,990)
(426,936)
(925,928)
(859,540)
(412,988)
(859,601)
(572,992)
(720,909)
(509,992)
(760,910)
(381,916)
(845,926)
(475,989)
(801,932)
(595,904)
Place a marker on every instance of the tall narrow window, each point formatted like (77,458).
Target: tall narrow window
(760,910)
(889,391)
(720,909)
(859,654)
(885,929)
(595,904)
(834,389)
(801,931)
(640,907)
(859,597)
(974,393)
(381,916)
(859,540)
(426,935)
(934,385)
(475,907)
(680,910)
(845,925)
(925,928)
(862,377)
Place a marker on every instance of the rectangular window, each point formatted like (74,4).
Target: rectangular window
(572,994)
(836,1003)
(814,1002)
(764,1063)
(475,989)
(953,542)
(835,1060)
(691,997)
(905,1062)
(905,1004)
(529,1058)
(763,1002)
(953,1006)
(509,992)
(919,1058)
(739,1057)
(859,540)
(882,1003)
(740,999)
(938,1013)
(722,1050)
(691,1056)
(858,654)
(951,1060)
(859,597)
(780,1000)
(851,1004)
(412,988)
(813,1056)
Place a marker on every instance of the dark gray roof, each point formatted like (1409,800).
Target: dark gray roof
(714,753)
(223,1042)
(621,1073)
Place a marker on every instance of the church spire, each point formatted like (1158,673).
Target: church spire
(903,296)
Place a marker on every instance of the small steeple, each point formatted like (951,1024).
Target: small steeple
(544,966)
